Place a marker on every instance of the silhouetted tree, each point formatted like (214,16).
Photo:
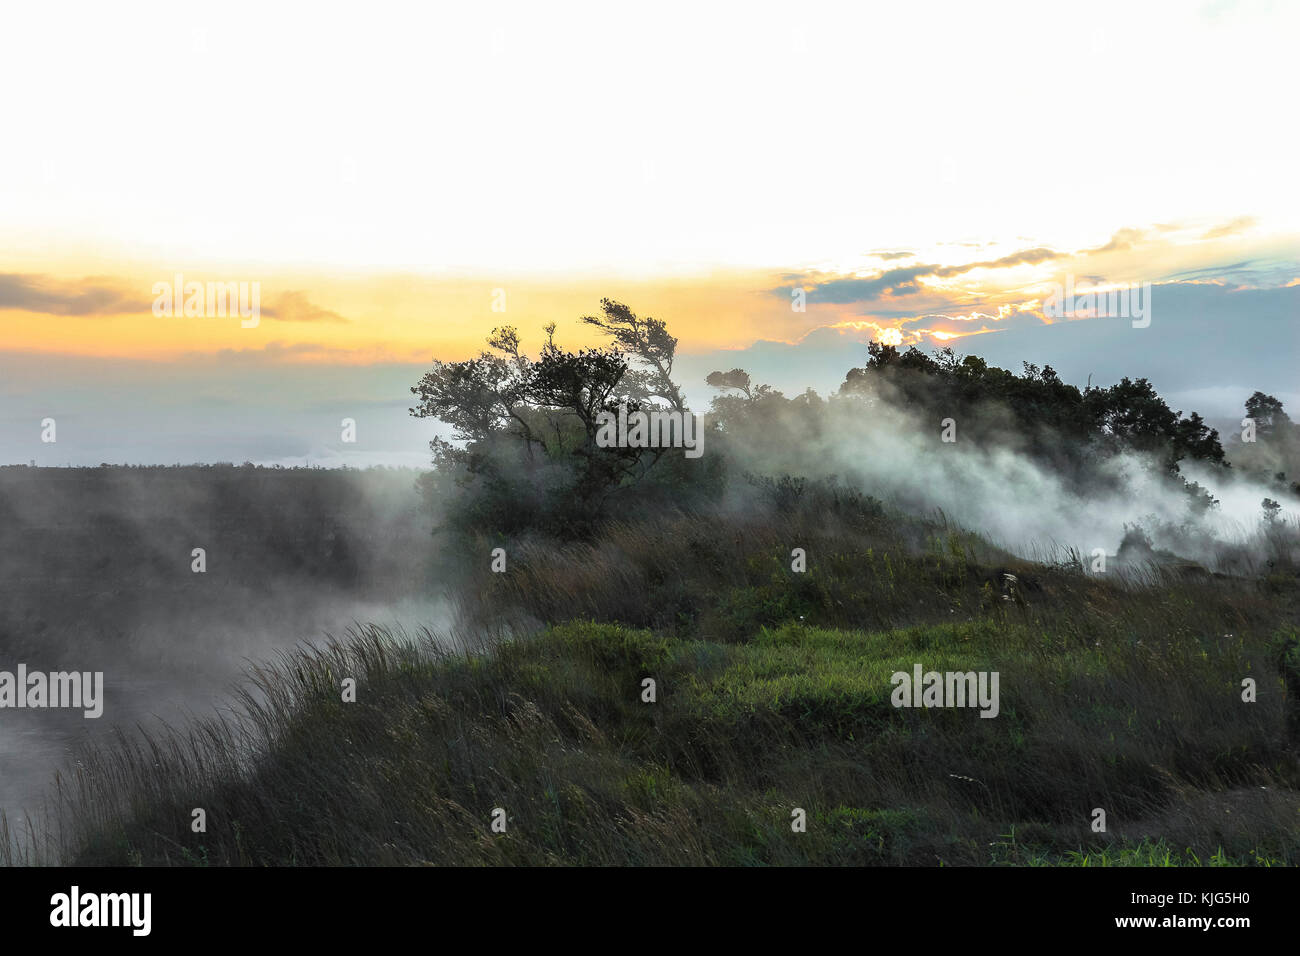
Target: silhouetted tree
(526,429)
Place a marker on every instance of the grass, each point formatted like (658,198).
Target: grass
(772,696)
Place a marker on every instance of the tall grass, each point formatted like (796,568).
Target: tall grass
(773,694)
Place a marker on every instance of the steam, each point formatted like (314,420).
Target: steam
(95,565)
(997,489)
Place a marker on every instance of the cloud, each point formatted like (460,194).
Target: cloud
(903,279)
(965,324)
(1202,337)
(1230,228)
(1247,271)
(1026,257)
(91,296)
(296,307)
(273,352)
(106,296)
(1122,241)
(893,255)
(890,282)
(1128,237)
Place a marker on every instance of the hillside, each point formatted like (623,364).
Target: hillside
(772,693)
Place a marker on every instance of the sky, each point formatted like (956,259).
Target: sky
(781,184)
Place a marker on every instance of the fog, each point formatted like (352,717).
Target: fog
(96,574)
(985,481)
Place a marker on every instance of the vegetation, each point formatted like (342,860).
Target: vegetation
(1274,455)
(1054,415)
(530,456)
(768,699)
(528,459)
(771,680)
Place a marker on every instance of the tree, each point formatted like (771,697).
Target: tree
(533,423)
(1051,420)
(738,379)
(1132,415)
(1267,413)
(649,342)
(1271,511)
(1275,452)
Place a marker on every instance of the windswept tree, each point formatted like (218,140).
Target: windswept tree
(648,342)
(738,380)
(527,429)
(739,401)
